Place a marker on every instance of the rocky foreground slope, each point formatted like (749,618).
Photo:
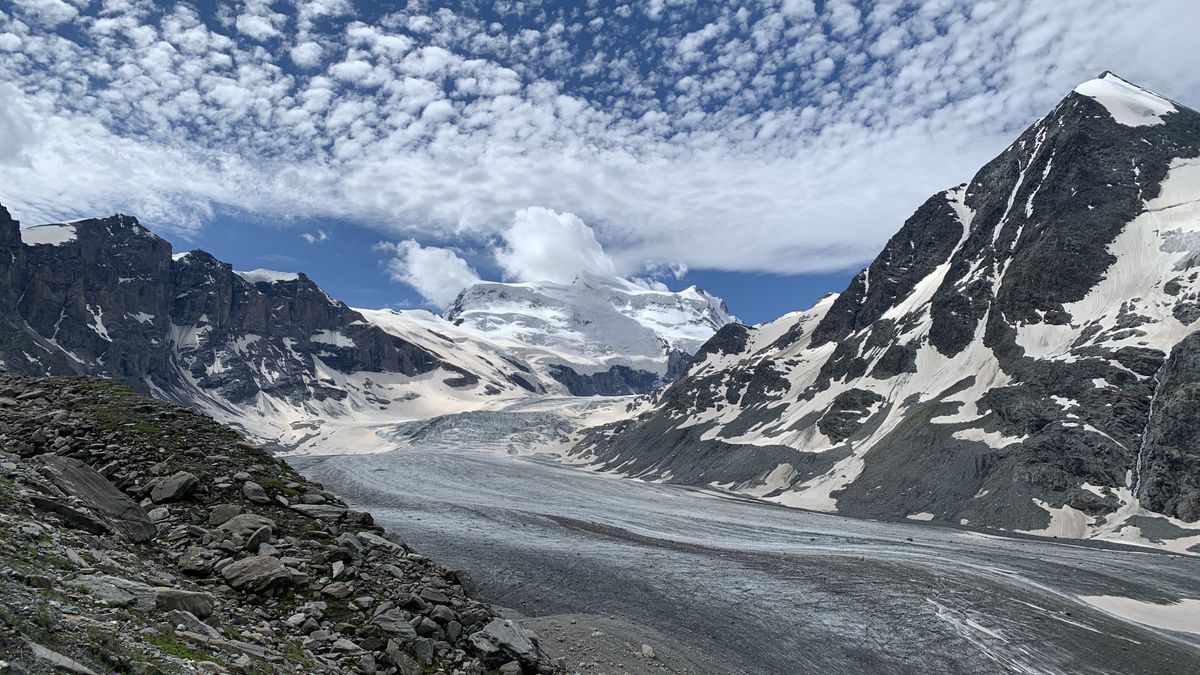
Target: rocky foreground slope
(136,536)
(1022,354)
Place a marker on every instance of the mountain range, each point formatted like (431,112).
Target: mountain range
(1021,355)
(273,354)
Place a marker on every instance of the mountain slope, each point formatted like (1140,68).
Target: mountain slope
(1017,356)
(274,355)
(595,335)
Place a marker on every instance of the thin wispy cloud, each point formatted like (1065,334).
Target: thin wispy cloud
(783,136)
(315,237)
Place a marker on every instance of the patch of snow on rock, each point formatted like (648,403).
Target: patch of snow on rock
(48,235)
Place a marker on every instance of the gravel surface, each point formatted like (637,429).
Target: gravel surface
(713,584)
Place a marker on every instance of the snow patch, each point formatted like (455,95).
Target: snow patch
(262,276)
(1182,616)
(48,235)
(1128,104)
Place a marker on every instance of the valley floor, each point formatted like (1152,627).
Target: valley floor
(711,584)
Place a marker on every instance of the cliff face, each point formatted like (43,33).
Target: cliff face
(105,297)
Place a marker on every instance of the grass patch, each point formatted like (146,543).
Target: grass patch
(293,653)
(172,647)
(279,486)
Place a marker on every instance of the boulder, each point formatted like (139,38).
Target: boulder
(246,524)
(199,604)
(261,536)
(101,497)
(502,636)
(256,574)
(221,513)
(255,492)
(71,517)
(191,622)
(116,591)
(326,512)
(394,624)
(174,487)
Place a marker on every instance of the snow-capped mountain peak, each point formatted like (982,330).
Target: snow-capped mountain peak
(1128,103)
(1024,352)
(596,334)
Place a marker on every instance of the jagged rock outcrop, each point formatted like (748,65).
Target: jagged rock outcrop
(106,297)
(995,365)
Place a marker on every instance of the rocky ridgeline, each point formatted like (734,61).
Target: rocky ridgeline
(140,537)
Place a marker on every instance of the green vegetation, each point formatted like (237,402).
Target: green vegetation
(173,647)
(279,486)
(293,653)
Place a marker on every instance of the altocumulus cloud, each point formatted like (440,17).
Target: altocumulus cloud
(782,136)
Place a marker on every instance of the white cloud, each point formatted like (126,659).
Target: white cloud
(438,274)
(48,12)
(774,140)
(545,245)
(320,236)
(306,54)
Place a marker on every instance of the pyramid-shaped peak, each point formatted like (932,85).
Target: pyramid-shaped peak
(1128,103)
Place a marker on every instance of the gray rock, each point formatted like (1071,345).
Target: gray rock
(159,514)
(372,539)
(326,512)
(405,663)
(442,614)
(348,542)
(196,561)
(337,590)
(70,516)
(393,623)
(58,660)
(174,487)
(83,482)
(192,623)
(246,524)
(426,627)
(255,493)
(116,591)
(423,648)
(433,595)
(260,536)
(504,636)
(199,604)
(221,513)
(256,574)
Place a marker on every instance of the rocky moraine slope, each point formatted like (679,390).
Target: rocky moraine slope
(136,536)
(1022,354)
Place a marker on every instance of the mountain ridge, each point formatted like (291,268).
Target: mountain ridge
(273,354)
(925,389)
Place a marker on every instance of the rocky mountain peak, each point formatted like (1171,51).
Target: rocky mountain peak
(1005,360)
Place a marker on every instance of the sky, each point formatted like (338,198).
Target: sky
(397,152)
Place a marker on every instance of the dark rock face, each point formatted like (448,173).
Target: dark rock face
(1170,471)
(616,381)
(110,300)
(995,362)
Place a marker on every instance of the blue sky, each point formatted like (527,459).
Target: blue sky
(763,150)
